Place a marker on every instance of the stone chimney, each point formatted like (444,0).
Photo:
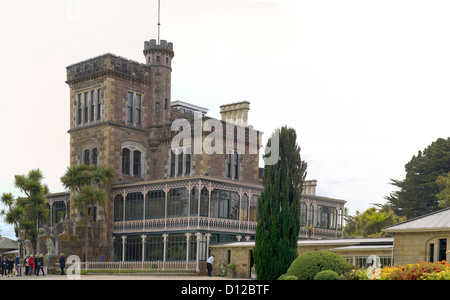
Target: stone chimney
(235,113)
(309,187)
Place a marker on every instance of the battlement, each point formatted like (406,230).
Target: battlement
(107,64)
(163,45)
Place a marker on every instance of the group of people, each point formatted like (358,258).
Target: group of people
(7,265)
(33,265)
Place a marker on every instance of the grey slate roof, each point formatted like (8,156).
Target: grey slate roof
(435,221)
(7,244)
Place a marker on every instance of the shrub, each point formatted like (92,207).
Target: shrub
(307,265)
(326,275)
(287,277)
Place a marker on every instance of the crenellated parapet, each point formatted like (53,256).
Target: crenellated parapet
(108,64)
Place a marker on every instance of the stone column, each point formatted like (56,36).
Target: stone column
(165,235)
(199,236)
(124,240)
(188,235)
(143,237)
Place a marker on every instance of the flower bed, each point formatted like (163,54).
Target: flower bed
(419,271)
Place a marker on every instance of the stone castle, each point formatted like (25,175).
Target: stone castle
(168,201)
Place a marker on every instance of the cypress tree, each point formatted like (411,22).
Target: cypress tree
(279,208)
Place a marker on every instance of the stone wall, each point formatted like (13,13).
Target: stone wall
(412,247)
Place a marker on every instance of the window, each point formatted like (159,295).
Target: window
(92,106)
(86,107)
(431,253)
(442,249)
(94,156)
(177,203)
(193,210)
(118,208)
(154,248)
(204,202)
(165,104)
(188,163)
(99,105)
(133,158)
(243,214)
(126,161)
(303,213)
(158,58)
(232,164)
(253,209)
(86,157)
(133,248)
(180,162)
(79,109)
(155,205)
(172,163)
(58,211)
(228,165)
(130,108)
(236,165)
(137,163)
(138,109)
(234,206)
(224,204)
(157,110)
(325,217)
(134,206)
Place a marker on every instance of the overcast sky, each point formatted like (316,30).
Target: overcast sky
(364,83)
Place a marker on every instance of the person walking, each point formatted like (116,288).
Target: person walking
(62,263)
(31,263)
(209,264)
(40,264)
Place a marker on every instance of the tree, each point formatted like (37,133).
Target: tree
(443,183)
(14,214)
(85,182)
(279,208)
(30,210)
(417,192)
(371,222)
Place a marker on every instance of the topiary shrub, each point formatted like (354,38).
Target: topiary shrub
(307,265)
(326,275)
(287,277)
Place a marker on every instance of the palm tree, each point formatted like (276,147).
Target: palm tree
(34,202)
(86,182)
(377,219)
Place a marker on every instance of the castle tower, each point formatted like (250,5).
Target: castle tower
(159,58)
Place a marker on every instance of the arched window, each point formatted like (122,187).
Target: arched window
(177,202)
(194,202)
(204,202)
(303,213)
(86,157)
(137,163)
(243,215)
(155,204)
(133,159)
(126,161)
(118,208)
(134,206)
(94,156)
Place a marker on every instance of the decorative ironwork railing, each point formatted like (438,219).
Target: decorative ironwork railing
(138,265)
(184,223)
